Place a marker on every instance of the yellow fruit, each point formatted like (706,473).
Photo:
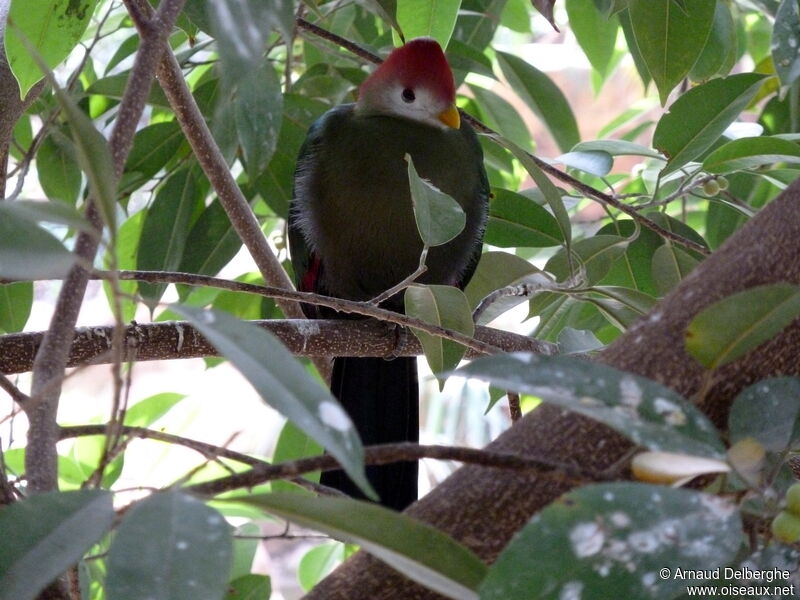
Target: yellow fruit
(711,188)
(786,527)
(793,499)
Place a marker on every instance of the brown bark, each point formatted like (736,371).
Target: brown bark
(484,508)
(178,339)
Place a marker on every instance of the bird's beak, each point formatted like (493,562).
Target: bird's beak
(450,117)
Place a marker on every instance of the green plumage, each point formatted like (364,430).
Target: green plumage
(352,234)
(352,205)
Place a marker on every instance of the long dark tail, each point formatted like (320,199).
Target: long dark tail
(382,398)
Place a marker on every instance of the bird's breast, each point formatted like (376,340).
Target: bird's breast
(359,214)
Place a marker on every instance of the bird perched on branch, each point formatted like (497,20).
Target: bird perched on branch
(353,235)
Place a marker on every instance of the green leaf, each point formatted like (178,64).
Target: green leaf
(768,411)
(27,251)
(496,270)
(170,545)
(275,183)
(501,116)
(16,300)
(153,147)
(86,454)
(751,153)
(113,87)
(670,265)
(50,532)
(634,268)
(22,137)
(516,220)
(317,563)
(58,170)
(92,149)
(52,26)
(720,49)
(71,474)
(447,307)
(596,33)
(147,411)
(577,341)
(477,22)
(165,230)
(249,587)
(786,42)
(123,51)
(433,18)
(386,10)
(646,412)
(610,540)
(594,162)
(293,444)
(245,546)
(596,254)
(127,247)
(258,107)
(284,384)
(242,27)
(732,327)
(617,148)
(630,300)
(548,189)
(670,39)
(439,217)
(721,221)
(630,40)
(543,96)
(57,213)
(465,59)
(516,16)
(213,240)
(699,117)
(413,548)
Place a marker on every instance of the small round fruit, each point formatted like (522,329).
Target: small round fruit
(793,499)
(786,527)
(723,183)
(711,188)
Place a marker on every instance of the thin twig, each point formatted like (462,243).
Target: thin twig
(354,48)
(12,390)
(395,289)
(390,453)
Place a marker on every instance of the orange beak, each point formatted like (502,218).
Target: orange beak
(450,117)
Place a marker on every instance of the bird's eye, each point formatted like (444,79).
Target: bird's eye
(408,95)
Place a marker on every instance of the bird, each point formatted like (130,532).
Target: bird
(352,232)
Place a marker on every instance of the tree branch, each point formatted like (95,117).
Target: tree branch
(263,471)
(179,340)
(390,453)
(12,390)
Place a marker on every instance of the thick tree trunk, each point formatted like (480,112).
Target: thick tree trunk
(483,507)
